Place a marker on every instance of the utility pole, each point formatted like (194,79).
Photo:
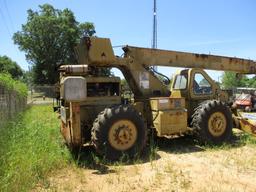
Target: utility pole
(154,42)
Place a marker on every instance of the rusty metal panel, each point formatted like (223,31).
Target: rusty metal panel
(75,123)
(247,122)
(73,88)
(65,131)
(159,57)
(248,126)
(166,103)
(95,51)
(170,122)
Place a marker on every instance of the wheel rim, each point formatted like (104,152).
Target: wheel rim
(122,135)
(217,124)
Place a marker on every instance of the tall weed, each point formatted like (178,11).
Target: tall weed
(30,148)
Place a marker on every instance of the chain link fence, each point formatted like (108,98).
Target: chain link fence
(10,104)
(41,94)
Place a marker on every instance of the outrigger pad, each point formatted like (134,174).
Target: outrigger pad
(248,122)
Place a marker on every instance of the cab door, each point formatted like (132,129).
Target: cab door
(201,88)
(179,87)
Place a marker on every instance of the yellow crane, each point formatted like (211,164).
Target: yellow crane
(93,110)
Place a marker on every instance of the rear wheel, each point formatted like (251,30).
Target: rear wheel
(118,131)
(212,122)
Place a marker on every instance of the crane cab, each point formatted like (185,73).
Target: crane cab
(196,86)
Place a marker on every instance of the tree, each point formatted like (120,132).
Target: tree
(87,29)
(249,82)
(11,67)
(230,80)
(125,85)
(28,78)
(48,39)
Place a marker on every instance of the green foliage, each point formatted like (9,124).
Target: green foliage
(27,78)
(48,39)
(7,81)
(101,71)
(231,80)
(124,84)
(31,148)
(249,82)
(248,139)
(87,29)
(9,66)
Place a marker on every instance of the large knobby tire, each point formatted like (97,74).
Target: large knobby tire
(117,131)
(212,122)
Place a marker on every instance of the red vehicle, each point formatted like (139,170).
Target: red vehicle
(246,102)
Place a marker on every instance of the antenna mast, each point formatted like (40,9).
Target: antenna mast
(154,43)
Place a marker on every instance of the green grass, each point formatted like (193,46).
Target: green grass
(248,139)
(7,81)
(31,148)
(238,139)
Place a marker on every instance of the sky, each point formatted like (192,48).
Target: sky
(202,26)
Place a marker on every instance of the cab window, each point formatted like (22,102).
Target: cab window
(201,85)
(180,82)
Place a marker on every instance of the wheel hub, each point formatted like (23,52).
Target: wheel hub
(122,135)
(217,124)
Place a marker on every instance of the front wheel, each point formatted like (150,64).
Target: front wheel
(117,131)
(212,122)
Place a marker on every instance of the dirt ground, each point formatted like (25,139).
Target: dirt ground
(177,165)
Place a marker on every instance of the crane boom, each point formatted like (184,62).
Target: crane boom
(135,65)
(159,57)
(99,52)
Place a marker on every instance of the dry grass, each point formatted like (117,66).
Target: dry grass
(178,165)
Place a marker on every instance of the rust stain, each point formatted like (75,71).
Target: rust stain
(252,69)
(202,56)
(76,108)
(65,131)
(178,113)
(253,127)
